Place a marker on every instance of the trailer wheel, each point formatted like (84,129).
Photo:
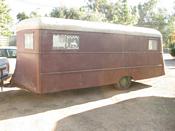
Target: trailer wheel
(123,83)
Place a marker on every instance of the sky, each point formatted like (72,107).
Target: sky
(45,6)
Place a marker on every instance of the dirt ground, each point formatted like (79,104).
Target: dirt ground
(149,105)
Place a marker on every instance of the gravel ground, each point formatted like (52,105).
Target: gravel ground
(147,105)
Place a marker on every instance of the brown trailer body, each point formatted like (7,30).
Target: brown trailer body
(57,54)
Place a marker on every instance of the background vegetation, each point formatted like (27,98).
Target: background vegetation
(5,19)
(120,12)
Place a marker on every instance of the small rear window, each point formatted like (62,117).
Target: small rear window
(28,41)
(152,45)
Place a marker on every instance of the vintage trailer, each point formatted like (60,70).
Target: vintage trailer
(59,54)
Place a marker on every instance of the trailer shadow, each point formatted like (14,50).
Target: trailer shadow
(19,103)
(125,115)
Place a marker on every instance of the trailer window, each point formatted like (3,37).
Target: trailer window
(65,41)
(152,45)
(28,41)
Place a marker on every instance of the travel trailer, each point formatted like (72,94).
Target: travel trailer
(59,54)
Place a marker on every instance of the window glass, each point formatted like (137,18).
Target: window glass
(65,41)
(152,45)
(11,53)
(28,41)
(59,41)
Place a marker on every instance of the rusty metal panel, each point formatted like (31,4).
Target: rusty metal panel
(26,74)
(73,80)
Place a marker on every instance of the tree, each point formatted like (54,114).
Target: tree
(146,12)
(63,12)
(162,21)
(119,12)
(123,14)
(91,15)
(5,19)
(99,10)
(169,32)
(97,5)
(22,16)
(151,17)
(34,14)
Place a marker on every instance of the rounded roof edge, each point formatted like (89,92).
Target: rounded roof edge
(84,26)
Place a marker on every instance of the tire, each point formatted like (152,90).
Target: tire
(123,83)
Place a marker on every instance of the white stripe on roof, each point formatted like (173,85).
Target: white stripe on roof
(84,26)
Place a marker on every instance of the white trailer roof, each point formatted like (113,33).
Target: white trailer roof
(84,26)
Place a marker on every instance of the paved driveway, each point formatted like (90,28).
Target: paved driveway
(148,106)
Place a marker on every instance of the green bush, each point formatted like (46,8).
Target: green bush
(172,51)
(171,45)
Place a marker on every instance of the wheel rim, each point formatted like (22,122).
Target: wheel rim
(125,82)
